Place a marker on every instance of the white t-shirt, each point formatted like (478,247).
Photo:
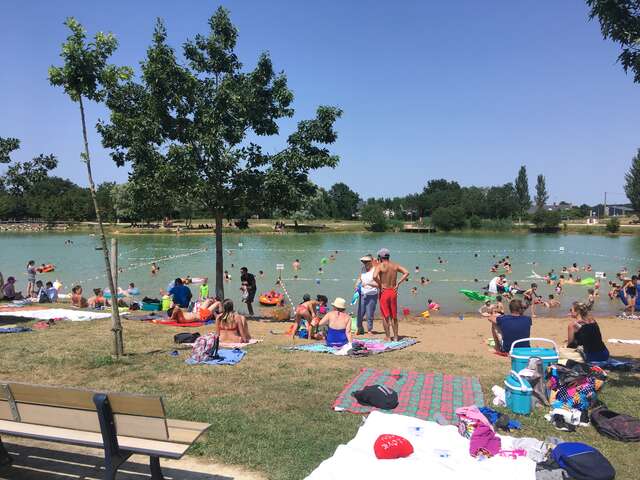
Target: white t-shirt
(365,278)
(493,285)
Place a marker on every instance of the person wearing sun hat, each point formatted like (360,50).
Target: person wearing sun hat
(338,324)
(368,299)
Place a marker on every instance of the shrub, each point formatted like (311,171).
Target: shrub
(373,216)
(475,222)
(448,218)
(544,219)
(613,225)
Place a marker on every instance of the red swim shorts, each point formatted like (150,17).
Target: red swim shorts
(389,303)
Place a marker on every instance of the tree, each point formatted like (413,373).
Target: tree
(474,201)
(319,204)
(191,129)
(448,218)
(546,219)
(85,74)
(613,225)
(502,201)
(522,191)
(542,197)
(344,201)
(8,145)
(439,193)
(632,183)
(620,21)
(372,214)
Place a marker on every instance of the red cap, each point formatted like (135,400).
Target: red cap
(387,447)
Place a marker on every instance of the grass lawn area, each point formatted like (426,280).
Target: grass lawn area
(270,413)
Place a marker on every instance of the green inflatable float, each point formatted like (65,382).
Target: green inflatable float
(474,295)
(587,282)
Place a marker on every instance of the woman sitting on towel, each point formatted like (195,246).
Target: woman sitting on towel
(77,300)
(338,323)
(97,300)
(585,332)
(9,290)
(232,327)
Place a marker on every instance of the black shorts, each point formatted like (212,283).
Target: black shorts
(251,296)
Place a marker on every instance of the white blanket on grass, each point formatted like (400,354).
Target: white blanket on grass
(50,313)
(357,460)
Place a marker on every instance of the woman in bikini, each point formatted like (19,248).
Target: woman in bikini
(305,311)
(232,327)
(208,310)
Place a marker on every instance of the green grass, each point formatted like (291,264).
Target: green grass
(271,412)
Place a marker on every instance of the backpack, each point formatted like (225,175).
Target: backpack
(205,348)
(186,337)
(583,462)
(624,428)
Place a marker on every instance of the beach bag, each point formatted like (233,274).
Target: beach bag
(379,396)
(186,337)
(583,462)
(205,347)
(623,428)
(469,418)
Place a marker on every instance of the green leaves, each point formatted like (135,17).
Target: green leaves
(8,145)
(620,21)
(632,183)
(85,71)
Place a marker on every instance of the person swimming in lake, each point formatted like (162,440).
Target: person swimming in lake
(552,302)
(531,298)
(296,265)
(154,268)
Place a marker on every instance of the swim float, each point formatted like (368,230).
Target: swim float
(47,268)
(271,299)
(588,281)
(474,295)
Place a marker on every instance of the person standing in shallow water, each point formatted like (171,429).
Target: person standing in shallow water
(386,276)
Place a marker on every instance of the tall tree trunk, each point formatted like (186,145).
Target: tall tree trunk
(116,326)
(219,257)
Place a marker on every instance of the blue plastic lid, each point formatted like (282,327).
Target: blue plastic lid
(534,352)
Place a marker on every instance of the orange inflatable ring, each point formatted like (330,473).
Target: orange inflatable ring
(271,300)
(46,269)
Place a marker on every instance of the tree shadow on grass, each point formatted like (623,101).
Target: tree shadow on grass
(37,463)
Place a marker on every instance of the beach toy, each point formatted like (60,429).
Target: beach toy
(588,281)
(520,356)
(271,299)
(518,394)
(240,244)
(324,261)
(474,295)
(46,269)
(406,312)
(356,297)
(197,280)
(425,314)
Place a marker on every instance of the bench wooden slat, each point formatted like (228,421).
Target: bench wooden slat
(186,424)
(185,435)
(127,425)
(130,404)
(92,439)
(5,410)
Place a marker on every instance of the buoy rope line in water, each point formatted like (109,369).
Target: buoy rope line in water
(135,266)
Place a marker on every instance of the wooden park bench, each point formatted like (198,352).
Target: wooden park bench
(121,424)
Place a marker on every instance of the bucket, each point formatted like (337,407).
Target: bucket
(518,394)
(166,303)
(520,356)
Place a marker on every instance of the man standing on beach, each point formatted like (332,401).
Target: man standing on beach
(248,281)
(386,275)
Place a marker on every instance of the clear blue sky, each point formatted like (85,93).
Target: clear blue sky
(465,90)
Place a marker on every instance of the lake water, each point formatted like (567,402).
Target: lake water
(194,255)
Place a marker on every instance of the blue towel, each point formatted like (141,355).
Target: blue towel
(227,357)
(14,329)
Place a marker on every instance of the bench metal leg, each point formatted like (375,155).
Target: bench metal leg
(156,471)
(5,458)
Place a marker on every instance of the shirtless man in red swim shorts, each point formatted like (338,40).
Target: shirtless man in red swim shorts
(386,276)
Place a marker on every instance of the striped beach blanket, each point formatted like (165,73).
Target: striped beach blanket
(421,395)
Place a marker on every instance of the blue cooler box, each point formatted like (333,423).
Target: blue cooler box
(520,356)
(518,394)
